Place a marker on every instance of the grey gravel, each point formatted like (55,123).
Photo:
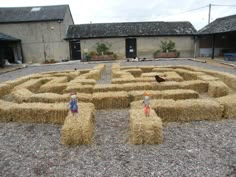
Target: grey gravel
(200,148)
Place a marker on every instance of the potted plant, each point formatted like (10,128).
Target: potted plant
(167,50)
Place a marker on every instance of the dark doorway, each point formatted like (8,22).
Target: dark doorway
(130,45)
(75,50)
(9,54)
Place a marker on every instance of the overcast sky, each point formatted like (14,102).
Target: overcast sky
(104,11)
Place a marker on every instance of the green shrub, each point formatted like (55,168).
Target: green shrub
(167,46)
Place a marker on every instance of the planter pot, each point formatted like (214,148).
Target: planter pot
(167,55)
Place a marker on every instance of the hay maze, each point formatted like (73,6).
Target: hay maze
(188,94)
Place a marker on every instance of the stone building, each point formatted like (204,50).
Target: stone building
(41,31)
(133,39)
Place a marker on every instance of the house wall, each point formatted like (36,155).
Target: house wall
(146,46)
(41,40)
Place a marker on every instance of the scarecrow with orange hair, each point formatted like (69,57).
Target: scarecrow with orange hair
(146,102)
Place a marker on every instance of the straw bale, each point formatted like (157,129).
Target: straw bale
(217,89)
(161,69)
(83,81)
(100,67)
(196,85)
(127,76)
(49,98)
(229,103)
(79,88)
(37,112)
(153,74)
(5,89)
(18,81)
(187,110)
(78,129)
(207,78)
(84,71)
(54,88)
(145,130)
(137,86)
(167,85)
(56,80)
(110,100)
(129,67)
(94,74)
(33,84)
(5,107)
(107,87)
(172,76)
(125,80)
(179,94)
(139,95)
(136,72)
(188,75)
(230,80)
(21,94)
(146,69)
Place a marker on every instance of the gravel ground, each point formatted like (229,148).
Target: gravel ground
(201,148)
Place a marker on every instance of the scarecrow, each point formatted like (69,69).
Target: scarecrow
(73,103)
(146,102)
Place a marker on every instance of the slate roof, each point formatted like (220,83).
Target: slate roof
(32,14)
(220,25)
(134,29)
(4,37)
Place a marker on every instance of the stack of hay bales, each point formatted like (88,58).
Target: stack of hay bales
(137,86)
(136,72)
(21,95)
(229,103)
(197,85)
(79,128)
(83,81)
(144,130)
(176,94)
(152,74)
(34,112)
(124,80)
(5,89)
(5,109)
(32,84)
(49,98)
(207,78)
(167,85)
(77,87)
(188,75)
(107,87)
(146,69)
(110,100)
(162,69)
(217,89)
(184,110)
(172,76)
(56,85)
(18,81)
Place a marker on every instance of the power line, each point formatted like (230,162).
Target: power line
(222,5)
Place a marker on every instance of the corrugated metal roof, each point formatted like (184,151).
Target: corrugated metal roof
(4,37)
(220,25)
(30,14)
(98,30)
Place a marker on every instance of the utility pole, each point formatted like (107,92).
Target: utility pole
(209,15)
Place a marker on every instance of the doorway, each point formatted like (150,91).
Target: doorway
(75,50)
(130,45)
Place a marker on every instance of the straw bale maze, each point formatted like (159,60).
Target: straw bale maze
(188,94)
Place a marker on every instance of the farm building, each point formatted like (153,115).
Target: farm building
(41,31)
(132,39)
(218,37)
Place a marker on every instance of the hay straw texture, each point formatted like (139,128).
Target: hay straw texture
(153,74)
(78,129)
(84,71)
(5,108)
(32,84)
(35,112)
(197,85)
(229,103)
(188,75)
(137,86)
(83,81)
(188,110)
(172,76)
(54,88)
(136,72)
(162,69)
(79,88)
(125,80)
(21,95)
(184,110)
(110,100)
(5,89)
(144,130)
(146,69)
(107,87)
(18,81)
(166,85)
(207,78)
(176,94)
(217,89)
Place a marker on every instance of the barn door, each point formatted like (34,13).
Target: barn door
(75,50)
(130,45)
